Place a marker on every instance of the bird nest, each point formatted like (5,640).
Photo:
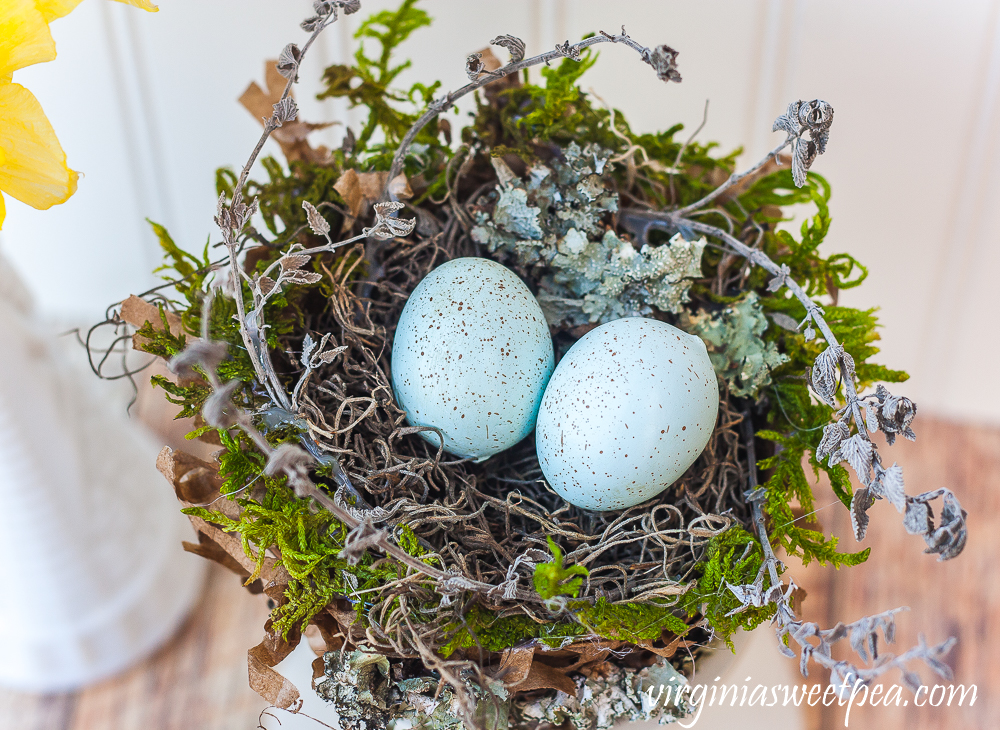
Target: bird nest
(439,590)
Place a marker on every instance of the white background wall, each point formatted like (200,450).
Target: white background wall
(145,106)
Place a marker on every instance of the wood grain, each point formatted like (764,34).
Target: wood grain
(959,598)
(199,680)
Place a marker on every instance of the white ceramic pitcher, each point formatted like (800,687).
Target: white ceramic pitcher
(94,576)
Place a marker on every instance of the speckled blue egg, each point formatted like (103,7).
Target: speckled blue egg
(471,356)
(629,408)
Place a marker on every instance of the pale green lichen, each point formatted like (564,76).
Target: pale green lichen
(623,694)
(555,218)
(738,353)
(360,686)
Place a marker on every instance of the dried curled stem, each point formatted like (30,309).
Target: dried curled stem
(663,59)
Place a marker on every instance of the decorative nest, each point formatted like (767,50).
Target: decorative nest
(443,591)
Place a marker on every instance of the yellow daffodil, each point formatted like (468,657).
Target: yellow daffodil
(32,162)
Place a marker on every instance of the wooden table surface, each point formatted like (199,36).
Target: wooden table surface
(198,681)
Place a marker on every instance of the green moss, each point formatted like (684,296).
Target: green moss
(552,579)
(732,558)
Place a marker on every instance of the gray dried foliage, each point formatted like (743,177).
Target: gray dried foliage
(513,44)
(386,225)
(288,61)
(285,110)
(814,117)
(317,222)
(663,59)
(474,66)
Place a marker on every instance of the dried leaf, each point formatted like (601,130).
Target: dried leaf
(293,262)
(859,453)
(302,277)
(917,520)
(285,110)
(891,487)
(860,504)
(474,66)
(288,61)
(266,284)
(911,680)
(833,435)
(825,376)
(784,321)
(317,222)
(663,59)
(514,45)
(308,345)
(779,280)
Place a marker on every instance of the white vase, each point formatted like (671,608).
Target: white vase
(94,575)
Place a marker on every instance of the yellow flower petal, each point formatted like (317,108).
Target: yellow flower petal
(3,211)
(144,4)
(24,36)
(53,9)
(34,166)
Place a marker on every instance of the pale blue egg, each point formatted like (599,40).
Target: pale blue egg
(629,408)
(471,356)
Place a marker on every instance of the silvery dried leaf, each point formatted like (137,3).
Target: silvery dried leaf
(285,111)
(317,222)
(895,415)
(218,410)
(302,277)
(871,416)
(663,59)
(308,345)
(288,61)
(327,357)
(350,6)
(789,121)
(779,279)
(859,453)
(386,227)
(847,363)
(803,155)
(784,321)
(833,435)
(825,375)
(513,44)
(809,333)
(892,487)
(917,520)
(201,353)
(312,23)
(860,504)
(949,539)
(807,650)
(474,66)
(863,638)
(887,622)
(292,262)
(912,681)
